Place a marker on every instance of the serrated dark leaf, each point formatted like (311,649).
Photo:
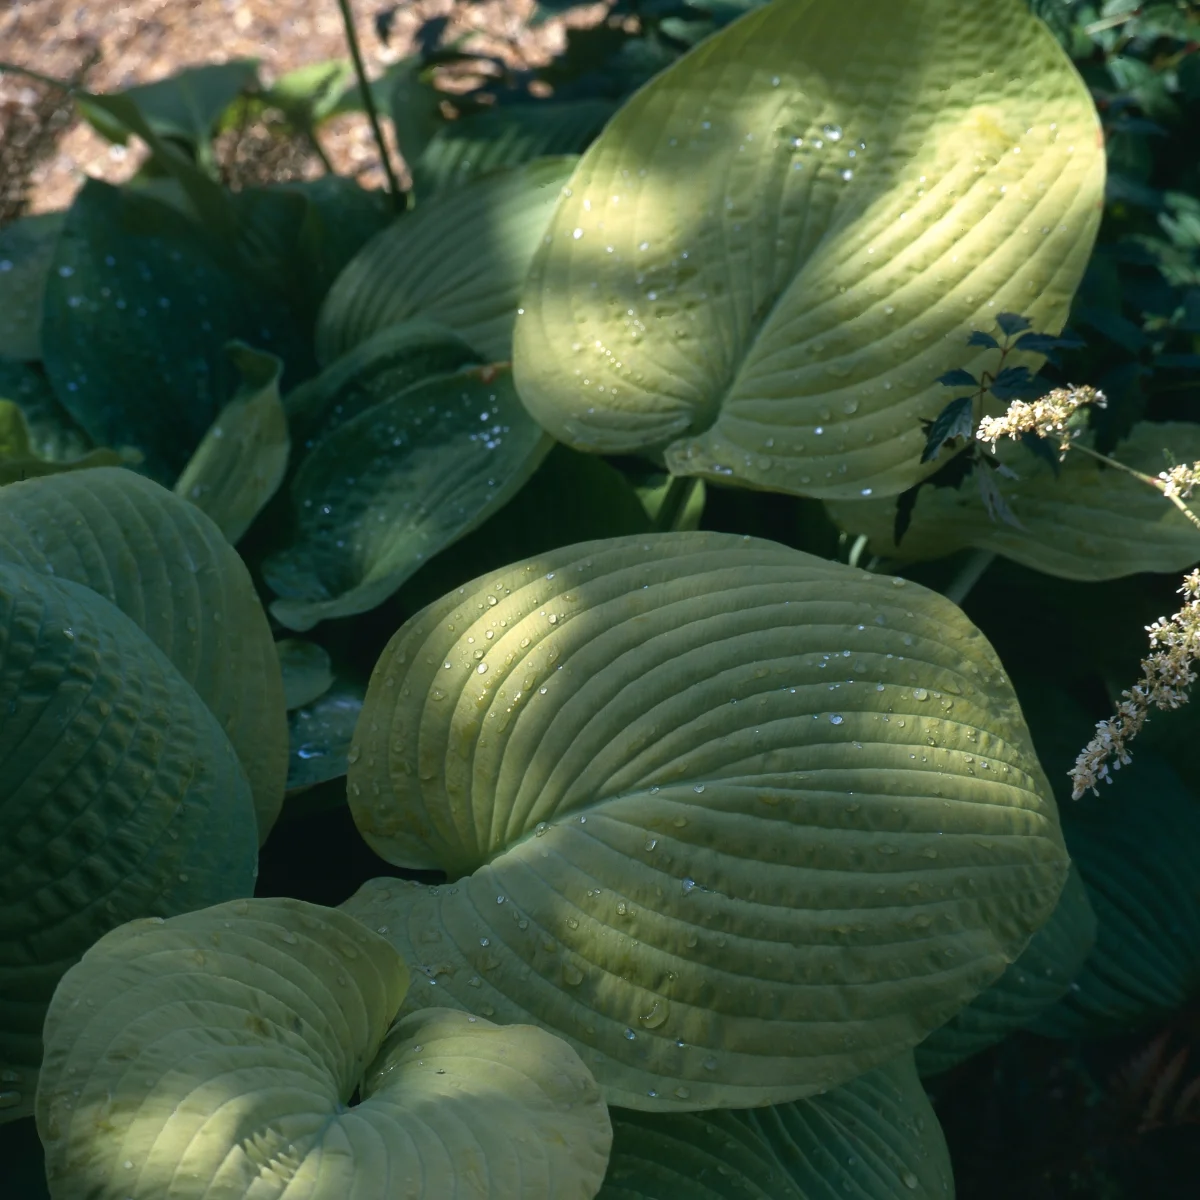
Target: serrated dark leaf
(1042,448)
(993,500)
(979,338)
(905,503)
(956,420)
(958,378)
(1013,383)
(1037,343)
(1012,323)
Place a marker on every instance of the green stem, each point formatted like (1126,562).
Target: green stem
(1156,484)
(969,575)
(369,102)
(679,492)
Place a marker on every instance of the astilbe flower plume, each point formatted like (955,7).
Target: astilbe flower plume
(1167,672)
(1047,417)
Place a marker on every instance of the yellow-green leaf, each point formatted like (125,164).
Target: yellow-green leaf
(727,817)
(874,1138)
(217,1055)
(1088,522)
(164,564)
(459,259)
(19,460)
(120,797)
(773,250)
(241,460)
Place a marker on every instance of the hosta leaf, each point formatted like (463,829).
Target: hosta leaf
(766,260)
(727,817)
(185,105)
(1041,976)
(875,1138)
(321,733)
(375,370)
(138,310)
(396,484)
(19,460)
(1085,521)
(458,260)
(120,797)
(218,1052)
(241,460)
(506,137)
(53,433)
(307,672)
(26,248)
(165,565)
(1136,845)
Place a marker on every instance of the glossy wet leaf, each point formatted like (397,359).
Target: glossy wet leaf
(321,733)
(307,672)
(241,460)
(165,565)
(375,370)
(120,797)
(875,1138)
(393,486)
(458,259)
(727,817)
(138,310)
(1136,845)
(26,248)
(1041,976)
(53,432)
(266,1016)
(1086,521)
(766,260)
(506,137)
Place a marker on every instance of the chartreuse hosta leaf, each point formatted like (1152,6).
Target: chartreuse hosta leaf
(458,260)
(1088,522)
(737,822)
(775,248)
(374,370)
(1136,845)
(165,565)
(120,796)
(242,458)
(874,1138)
(394,485)
(1041,976)
(19,460)
(216,1054)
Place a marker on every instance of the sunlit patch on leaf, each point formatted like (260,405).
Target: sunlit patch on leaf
(774,248)
(729,818)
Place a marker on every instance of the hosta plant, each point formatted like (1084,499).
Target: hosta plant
(507,691)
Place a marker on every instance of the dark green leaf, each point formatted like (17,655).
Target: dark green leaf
(1011,323)
(955,421)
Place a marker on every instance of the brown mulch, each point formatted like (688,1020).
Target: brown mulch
(138,41)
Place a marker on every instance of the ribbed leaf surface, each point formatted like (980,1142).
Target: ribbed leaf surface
(120,797)
(215,1056)
(729,818)
(1041,976)
(458,259)
(1088,522)
(874,1138)
(165,565)
(776,247)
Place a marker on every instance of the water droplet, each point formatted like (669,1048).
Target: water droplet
(920,694)
(832,132)
(630,1035)
(481,669)
(836,719)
